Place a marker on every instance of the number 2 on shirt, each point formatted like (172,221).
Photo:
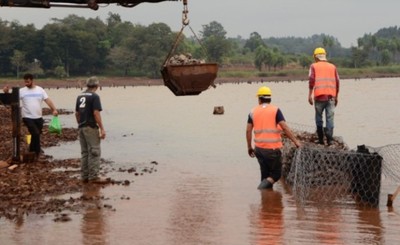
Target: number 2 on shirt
(82,102)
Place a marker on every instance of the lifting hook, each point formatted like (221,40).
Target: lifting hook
(185,19)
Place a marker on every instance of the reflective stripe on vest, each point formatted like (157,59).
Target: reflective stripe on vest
(267,134)
(325,79)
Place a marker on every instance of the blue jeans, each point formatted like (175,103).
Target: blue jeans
(89,139)
(329,108)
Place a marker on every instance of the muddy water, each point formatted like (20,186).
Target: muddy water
(204,189)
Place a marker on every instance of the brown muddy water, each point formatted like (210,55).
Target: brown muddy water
(204,189)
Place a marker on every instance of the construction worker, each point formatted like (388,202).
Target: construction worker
(324,85)
(266,121)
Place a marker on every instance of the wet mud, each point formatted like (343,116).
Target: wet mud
(46,185)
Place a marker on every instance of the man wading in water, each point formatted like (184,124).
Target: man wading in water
(267,122)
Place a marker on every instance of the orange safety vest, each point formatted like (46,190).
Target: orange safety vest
(267,134)
(325,79)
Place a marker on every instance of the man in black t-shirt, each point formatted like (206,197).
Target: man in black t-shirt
(91,131)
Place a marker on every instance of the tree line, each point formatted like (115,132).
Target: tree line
(76,46)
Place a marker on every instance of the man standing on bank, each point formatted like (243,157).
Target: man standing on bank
(266,121)
(324,84)
(91,130)
(31,97)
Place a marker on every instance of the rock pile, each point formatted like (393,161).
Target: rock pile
(184,59)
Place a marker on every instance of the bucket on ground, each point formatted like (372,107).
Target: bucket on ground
(28,138)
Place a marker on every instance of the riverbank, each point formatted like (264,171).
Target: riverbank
(79,82)
(35,186)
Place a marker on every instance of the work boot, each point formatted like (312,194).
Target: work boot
(329,135)
(265,184)
(320,133)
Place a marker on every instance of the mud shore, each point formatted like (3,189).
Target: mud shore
(36,186)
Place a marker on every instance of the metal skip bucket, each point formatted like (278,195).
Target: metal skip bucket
(189,79)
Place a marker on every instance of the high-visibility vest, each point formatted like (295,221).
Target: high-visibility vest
(267,134)
(325,79)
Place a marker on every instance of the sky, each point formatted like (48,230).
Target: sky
(346,20)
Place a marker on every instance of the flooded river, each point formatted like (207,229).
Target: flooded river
(205,188)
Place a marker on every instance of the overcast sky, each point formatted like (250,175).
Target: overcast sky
(346,20)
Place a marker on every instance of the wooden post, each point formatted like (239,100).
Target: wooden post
(13,100)
(16,123)
(391,197)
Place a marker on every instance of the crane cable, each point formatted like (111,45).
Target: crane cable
(185,22)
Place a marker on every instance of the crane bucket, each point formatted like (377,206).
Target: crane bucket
(189,79)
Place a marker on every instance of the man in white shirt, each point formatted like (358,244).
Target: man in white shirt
(31,97)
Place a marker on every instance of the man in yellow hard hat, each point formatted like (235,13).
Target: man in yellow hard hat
(323,94)
(266,121)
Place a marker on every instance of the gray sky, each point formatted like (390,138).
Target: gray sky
(346,20)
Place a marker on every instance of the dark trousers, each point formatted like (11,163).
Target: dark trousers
(270,163)
(35,127)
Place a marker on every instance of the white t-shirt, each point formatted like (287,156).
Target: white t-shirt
(31,101)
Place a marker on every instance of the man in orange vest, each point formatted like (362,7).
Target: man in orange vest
(324,84)
(266,121)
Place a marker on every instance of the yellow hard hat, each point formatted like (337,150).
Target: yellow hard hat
(319,51)
(264,91)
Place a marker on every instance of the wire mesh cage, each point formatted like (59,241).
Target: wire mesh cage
(336,175)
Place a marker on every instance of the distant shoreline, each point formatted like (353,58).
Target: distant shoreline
(133,81)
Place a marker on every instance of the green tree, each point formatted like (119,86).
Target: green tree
(25,39)
(279,60)
(215,42)
(80,45)
(305,60)
(18,61)
(7,47)
(35,68)
(213,29)
(101,44)
(122,58)
(327,41)
(151,46)
(118,31)
(270,59)
(262,55)
(254,42)
(359,57)
(60,72)
(385,57)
